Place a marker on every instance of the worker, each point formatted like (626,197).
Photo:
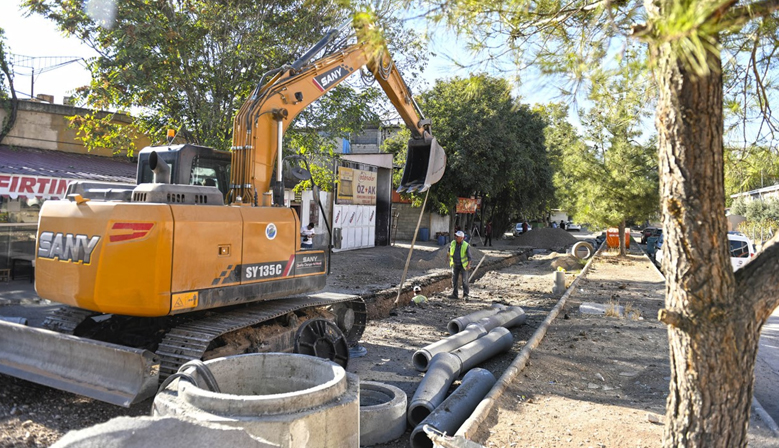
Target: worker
(562,224)
(488,234)
(307,234)
(460,262)
(418,298)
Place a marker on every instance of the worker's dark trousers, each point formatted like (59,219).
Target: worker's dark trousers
(458,271)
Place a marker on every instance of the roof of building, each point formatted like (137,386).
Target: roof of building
(757,192)
(36,162)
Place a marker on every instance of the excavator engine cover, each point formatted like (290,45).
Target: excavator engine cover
(425,165)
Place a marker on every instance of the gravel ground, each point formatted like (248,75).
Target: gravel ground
(594,380)
(37,416)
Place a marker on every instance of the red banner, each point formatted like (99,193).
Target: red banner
(466,205)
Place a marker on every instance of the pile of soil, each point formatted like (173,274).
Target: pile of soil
(567,262)
(546,238)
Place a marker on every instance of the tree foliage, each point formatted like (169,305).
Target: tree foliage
(614,179)
(190,64)
(494,147)
(8,100)
(749,169)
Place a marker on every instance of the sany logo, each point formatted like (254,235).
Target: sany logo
(329,77)
(123,231)
(66,246)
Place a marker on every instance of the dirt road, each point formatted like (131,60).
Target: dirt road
(593,381)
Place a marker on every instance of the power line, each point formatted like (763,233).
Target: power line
(39,65)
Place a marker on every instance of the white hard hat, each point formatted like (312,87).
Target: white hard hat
(459,233)
(417,288)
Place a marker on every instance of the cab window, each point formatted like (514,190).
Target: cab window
(210,173)
(739,249)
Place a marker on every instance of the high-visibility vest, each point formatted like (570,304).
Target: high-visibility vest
(463,253)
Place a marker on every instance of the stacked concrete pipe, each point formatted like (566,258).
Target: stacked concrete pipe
(497,317)
(446,367)
(458,324)
(448,417)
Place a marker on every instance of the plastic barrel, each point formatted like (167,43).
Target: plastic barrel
(441,240)
(424,234)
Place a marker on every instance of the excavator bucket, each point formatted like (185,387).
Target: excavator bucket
(425,165)
(107,372)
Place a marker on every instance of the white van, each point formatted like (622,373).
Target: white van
(741,250)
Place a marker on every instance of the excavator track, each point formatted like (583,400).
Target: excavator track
(191,340)
(65,319)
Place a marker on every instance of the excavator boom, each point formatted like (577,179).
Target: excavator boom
(261,122)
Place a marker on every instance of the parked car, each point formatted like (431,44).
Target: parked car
(659,249)
(518,229)
(650,231)
(741,250)
(571,226)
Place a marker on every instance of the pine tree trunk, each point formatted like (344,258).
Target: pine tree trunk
(713,336)
(622,249)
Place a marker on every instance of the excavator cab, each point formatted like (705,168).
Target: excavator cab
(425,165)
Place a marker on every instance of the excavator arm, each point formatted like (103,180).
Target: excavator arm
(260,124)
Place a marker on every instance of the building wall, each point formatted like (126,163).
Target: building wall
(45,126)
(405,217)
(370,139)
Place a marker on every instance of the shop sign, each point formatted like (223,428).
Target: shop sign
(15,185)
(356,186)
(466,205)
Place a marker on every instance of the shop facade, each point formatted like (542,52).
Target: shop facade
(39,157)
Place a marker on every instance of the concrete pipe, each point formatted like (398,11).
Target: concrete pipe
(421,358)
(458,324)
(444,368)
(286,399)
(168,432)
(453,412)
(382,413)
(498,340)
(582,250)
(507,318)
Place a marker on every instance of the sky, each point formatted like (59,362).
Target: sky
(38,37)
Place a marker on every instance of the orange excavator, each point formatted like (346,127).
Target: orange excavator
(201,258)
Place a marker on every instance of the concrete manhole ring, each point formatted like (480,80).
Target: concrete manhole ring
(382,413)
(582,250)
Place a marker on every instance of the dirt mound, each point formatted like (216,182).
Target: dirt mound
(546,238)
(567,262)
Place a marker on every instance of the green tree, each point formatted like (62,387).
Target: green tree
(8,101)
(749,168)
(561,138)
(614,180)
(190,64)
(494,146)
(713,316)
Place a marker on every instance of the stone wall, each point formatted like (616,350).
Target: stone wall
(45,126)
